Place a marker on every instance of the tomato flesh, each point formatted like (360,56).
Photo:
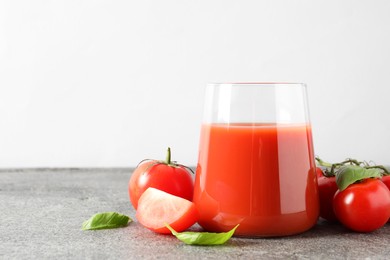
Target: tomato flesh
(157,208)
(363,206)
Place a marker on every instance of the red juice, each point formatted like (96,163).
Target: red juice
(261,176)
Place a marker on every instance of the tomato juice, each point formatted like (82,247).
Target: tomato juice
(261,176)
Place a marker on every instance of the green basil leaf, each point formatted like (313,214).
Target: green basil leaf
(203,238)
(106,220)
(350,174)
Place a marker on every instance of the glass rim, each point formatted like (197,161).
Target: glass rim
(257,83)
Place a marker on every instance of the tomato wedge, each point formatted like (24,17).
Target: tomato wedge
(157,208)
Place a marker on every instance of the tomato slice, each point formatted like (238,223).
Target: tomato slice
(157,208)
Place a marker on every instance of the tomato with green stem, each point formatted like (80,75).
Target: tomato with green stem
(167,176)
(327,188)
(386,181)
(319,171)
(363,206)
(348,200)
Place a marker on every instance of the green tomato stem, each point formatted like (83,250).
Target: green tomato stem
(333,167)
(383,168)
(168,158)
(323,163)
(338,165)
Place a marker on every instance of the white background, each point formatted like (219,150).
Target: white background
(109,83)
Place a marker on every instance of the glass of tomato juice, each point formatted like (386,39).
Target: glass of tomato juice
(256,162)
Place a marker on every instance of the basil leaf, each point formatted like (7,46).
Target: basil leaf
(347,175)
(106,220)
(203,238)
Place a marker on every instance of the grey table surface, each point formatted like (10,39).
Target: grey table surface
(41,212)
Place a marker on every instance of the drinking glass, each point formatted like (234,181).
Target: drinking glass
(256,164)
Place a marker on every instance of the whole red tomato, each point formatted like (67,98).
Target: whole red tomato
(363,206)
(386,181)
(327,187)
(163,175)
(319,172)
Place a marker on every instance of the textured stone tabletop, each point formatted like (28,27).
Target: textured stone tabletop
(41,212)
